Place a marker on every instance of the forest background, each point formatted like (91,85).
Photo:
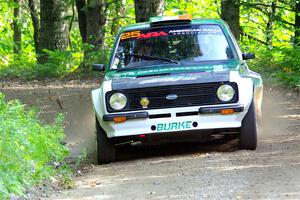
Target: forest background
(42,39)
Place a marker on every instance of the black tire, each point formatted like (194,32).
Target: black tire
(248,134)
(105,148)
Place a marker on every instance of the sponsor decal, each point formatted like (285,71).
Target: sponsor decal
(152,34)
(132,34)
(138,35)
(169,79)
(206,31)
(145,34)
(173,126)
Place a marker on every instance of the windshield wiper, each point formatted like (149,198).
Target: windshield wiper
(154,58)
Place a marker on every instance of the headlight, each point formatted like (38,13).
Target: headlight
(225,93)
(118,101)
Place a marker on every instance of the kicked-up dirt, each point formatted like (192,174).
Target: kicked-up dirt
(179,171)
(72,98)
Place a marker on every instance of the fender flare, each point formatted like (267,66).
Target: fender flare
(97,101)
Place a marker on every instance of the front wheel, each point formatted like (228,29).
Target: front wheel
(105,148)
(248,134)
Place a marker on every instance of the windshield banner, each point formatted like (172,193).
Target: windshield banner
(183,30)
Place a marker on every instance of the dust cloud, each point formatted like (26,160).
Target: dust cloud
(279,107)
(75,102)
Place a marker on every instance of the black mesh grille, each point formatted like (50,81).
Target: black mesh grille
(188,95)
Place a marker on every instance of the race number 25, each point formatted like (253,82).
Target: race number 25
(133,34)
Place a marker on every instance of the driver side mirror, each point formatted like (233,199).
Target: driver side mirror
(98,67)
(247,56)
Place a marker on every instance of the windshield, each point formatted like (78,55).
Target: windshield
(171,45)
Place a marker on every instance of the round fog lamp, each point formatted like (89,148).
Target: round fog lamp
(225,93)
(118,101)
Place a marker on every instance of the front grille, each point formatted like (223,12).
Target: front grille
(187,95)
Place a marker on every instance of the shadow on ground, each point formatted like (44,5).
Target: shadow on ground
(126,153)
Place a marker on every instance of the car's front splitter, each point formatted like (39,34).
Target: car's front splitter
(203,110)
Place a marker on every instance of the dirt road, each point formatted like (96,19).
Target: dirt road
(184,171)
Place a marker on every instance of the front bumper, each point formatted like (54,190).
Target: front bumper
(204,110)
(172,120)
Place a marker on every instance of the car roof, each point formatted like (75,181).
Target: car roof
(145,25)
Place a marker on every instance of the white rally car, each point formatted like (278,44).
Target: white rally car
(176,76)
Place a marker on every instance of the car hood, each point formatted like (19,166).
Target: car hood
(171,75)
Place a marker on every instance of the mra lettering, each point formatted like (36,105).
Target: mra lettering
(152,34)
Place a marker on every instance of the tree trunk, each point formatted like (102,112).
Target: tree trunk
(230,12)
(17,27)
(82,21)
(297,24)
(146,9)
(54,27)
(91,19)
(95,16)
(32,4)
(270,24)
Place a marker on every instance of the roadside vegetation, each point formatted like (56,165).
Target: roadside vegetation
(279,66)
(30,151)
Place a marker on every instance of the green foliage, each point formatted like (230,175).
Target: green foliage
(6,35)
(58,64)
(29,151)
(119,14)
(83,156)
(280,64)
(101,56)
(19,68)
(289,66)
(255,16)
(198,9)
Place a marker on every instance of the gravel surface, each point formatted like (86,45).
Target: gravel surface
(185,170)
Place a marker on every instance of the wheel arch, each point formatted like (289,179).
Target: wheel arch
(257,92)
(98,103)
